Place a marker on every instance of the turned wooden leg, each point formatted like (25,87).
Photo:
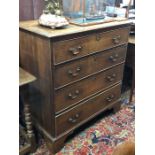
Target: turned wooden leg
(29,127)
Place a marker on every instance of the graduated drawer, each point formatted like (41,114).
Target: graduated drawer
(83,111)
(75,70)
(75,48)
(74,93)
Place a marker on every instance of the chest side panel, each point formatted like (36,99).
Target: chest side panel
(35,57)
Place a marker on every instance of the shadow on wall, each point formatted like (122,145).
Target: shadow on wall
(30,9)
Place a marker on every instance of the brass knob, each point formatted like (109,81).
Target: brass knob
(75,95)
(76,73)
(110,98)
(74,118)
(113,58)
(75,50)
(116,40)
(111,78)
(77,115)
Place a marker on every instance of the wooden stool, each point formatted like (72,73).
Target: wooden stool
(24,79)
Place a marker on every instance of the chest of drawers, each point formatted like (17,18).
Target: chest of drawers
(79,72)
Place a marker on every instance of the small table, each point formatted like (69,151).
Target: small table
(24,79)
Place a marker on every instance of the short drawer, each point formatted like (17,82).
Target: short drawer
(74,93)
(76,70)
(73,117)
(75,48)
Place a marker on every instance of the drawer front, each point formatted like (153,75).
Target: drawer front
(72,94)
(75,48)
(78,69)
(72,117)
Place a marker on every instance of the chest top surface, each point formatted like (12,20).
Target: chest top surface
(34,27)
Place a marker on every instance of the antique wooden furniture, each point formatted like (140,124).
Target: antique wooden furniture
(79,71)
(24,79)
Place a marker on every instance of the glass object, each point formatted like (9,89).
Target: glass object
(89,12)
(86,12)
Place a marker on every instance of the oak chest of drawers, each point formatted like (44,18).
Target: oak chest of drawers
(79,72)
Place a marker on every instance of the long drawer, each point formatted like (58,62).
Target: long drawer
(72,94)
(72,117)
(78,69)
(75,48)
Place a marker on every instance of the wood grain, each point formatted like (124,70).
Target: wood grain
(75,48)
(76,70)
(84,110)
(35,57)
(25,77)
(34,27)
(68,96)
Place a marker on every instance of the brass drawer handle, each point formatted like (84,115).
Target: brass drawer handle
(111,78)
(75,50)
(76,94)
(113,58)
(76,73)
(110,98)
(117,39)
(74,118)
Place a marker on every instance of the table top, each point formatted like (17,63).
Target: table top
(132,39)
(34,27)
(25,77)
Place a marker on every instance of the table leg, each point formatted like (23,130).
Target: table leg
(29,127)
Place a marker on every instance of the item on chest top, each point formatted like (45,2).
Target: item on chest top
(53,21)
(90,12)
(52,15)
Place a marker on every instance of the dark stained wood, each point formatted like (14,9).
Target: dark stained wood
(26,10)
(72,117)
(130,58)
(72,94)
(130,62)
(35,57)
(30,9)
(117,106)
(25,149)
(55,146)
(75,48)
(26,78)
(76,70)
(51,54)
